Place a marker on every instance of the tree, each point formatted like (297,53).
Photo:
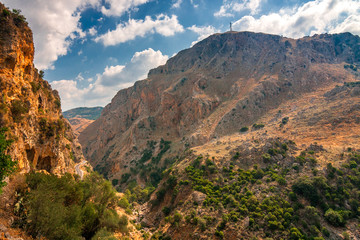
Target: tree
(7,166)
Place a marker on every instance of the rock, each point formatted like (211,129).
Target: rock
(30,108)
(213,89)
(198,197)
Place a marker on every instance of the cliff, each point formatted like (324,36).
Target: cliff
(213,89)
(29,108)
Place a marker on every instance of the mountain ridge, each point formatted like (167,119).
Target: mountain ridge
(221,84)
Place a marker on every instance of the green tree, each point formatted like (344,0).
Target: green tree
(7,166)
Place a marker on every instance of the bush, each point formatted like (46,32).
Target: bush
(7,166)
(334,218)
(18,15)
(258,126)
(166,211)
(244,129)
(65,208)
(18,108)
(124,203)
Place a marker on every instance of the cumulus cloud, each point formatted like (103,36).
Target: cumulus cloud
(203,32)
(119,7)
(313,17)
(163,24)
(231,6)
(51,38)
(109,82)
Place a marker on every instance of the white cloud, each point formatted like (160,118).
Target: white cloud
(177,3)
(231,6)
(92,31)
(51,38)
(163,24)
(109,82)
(203,32)
(313,17)
(119,7)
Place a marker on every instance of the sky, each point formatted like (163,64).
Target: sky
(90,49)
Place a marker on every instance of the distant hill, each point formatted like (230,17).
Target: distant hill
(83,112)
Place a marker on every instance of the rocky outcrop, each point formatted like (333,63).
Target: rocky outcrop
(221,84)
(29,108)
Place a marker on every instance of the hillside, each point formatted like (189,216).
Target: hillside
(213,89)
(83,112)
(81,118)
(243,136)
(41,194)
(29,108)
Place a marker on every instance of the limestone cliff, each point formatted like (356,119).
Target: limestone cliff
(29,108)
(213,89)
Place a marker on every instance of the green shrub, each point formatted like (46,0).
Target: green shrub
(57,103)
(334,218)
(65,208)
(124,203)
(7,166)
(258,126)
(35,87)
(244,129)
(6,12)
(18,108)
(166,211)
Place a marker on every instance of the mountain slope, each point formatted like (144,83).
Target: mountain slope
(213,89)
(83,112)
(29,108)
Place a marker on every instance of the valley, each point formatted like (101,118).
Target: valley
(242,136)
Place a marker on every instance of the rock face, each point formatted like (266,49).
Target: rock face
(29,108)
(221,84)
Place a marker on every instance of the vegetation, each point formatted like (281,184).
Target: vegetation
(288,206)
(244,129)
(257,126)
(351,66)
(84,112)
(7,166)
(18,16)
(18,108)
(66,208)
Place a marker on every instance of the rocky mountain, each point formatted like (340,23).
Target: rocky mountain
(29,108)
(222,84)
(243,136)
(82,117)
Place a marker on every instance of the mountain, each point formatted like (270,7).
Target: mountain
(221,84)
(92,113)
(82,117)
(29,108)
(41,197)
(243,136)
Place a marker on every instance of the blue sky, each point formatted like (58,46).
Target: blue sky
(90,49)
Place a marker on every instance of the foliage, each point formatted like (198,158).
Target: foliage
(41,74)
(18,108)
(257,126)
(65,208)
(7,166)
(293,212)
(244,129)
(18,16)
